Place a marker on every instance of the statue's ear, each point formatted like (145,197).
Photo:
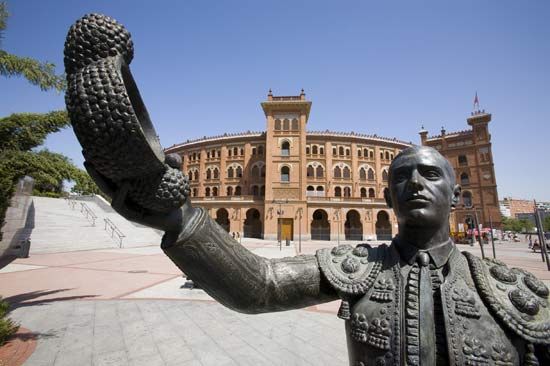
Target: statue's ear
(387,197)
(456,195)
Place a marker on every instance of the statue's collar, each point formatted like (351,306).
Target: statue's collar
(439,254)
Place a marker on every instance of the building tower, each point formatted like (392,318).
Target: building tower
(285,181)
(469,152)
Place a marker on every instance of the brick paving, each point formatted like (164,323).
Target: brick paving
(131,307)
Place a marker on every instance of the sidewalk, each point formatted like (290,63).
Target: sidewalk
(131,307)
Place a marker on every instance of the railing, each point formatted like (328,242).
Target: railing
(88,213)
(71,201)
(283,98)
(346,199)
(109,225)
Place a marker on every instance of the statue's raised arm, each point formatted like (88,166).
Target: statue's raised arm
(124,156)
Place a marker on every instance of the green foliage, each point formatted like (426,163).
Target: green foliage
(37,73)
(546,223)
(24,131)
(511,224)
(7,326)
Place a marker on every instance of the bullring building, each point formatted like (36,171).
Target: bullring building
(288,182)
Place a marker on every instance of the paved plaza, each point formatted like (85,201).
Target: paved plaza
(133,307)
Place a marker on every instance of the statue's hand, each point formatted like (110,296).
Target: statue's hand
(171,221)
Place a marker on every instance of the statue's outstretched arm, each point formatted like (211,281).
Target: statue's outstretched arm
(124,157)
(237,277)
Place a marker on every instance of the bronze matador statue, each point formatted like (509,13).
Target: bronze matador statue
(418,301)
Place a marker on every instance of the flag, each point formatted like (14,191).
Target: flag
(476,101)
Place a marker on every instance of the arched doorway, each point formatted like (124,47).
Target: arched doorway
(222,218)
(320,228)
(383,226)
(353,227)
(252,224)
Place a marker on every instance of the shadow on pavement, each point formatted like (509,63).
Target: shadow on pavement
(33,298)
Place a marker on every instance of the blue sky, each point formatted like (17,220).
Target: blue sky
(384,67)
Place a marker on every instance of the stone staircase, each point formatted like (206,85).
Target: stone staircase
(61,226)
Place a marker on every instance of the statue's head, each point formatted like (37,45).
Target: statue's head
(422,187)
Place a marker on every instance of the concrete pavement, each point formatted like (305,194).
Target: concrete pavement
(132,307)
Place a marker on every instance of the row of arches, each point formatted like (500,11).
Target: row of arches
(286,124)
(319,227)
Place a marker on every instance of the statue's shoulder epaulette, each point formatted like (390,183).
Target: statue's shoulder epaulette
(352,271)
(514,296)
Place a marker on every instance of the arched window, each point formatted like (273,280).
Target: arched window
(382,155)
(347,173)
(462,160)
(285,148)
(341,151)
(229,152)
(255,190)
(239,171)
(467,199)
(337,172)
(334,151)
(337,192)
(230,172)
(278,124)
(216,173)
(195,192)
(307,150)
(295,124)
(242,151)
(347,192)
(215,191)
(238,191)
(363,192)
(314,150)
(255,171)
(229,191)
(362,174)
(348,152)
(286,124)
(310,191)
(235,151)
(208,174)
(385,175)
(196,175)
(310,171)
(219,153)
(321,150)
(464,179)
(320,171)
(371,154)
(208,154)
(190,175)
(387,155)
(213,153)
(370,174)
(262,191)
(207,192)
(372,193)
(365,153)
(359,153)
(260,150)
(320,189)
(285,174)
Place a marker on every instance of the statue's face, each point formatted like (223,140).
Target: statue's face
(421,188)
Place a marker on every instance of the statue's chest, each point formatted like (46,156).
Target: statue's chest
(384,327)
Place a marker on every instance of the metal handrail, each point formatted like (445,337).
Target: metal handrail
(88,212)
(114,230)
(71,202)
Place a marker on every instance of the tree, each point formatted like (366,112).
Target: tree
(546,223)
(37,73)
(20,133)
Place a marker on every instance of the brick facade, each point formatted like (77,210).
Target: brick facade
(290,182)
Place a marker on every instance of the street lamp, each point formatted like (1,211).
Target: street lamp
(299,216)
